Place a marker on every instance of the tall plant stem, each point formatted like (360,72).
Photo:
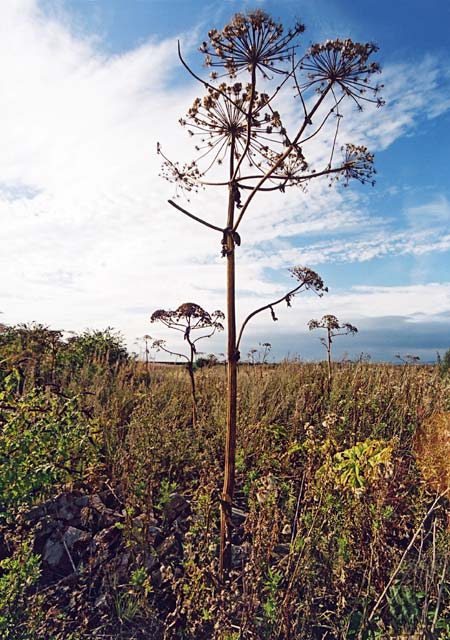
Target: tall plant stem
(190,369)
(328,345)
(232,358)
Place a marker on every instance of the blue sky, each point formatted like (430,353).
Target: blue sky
(90,86)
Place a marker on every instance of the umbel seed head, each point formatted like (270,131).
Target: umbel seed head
(252,41)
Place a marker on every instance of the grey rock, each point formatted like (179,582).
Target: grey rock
(81,501)
(105,545)
(282,549)
(151,561)
(110,499)
(72,536)
(176,505)
(238,514)
(53,553)
(65,513)
(62,501)
(103,516)
(96,503)
(154,532)
(34,514)
(156,578)
(119,566)
(237,555)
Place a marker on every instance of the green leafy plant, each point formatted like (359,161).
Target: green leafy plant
(444,362)
(405,607)
(166,488)
(107,345)
(18,574)
(33,350)
(45,440)
(359,466)
(271,589)
(340,530)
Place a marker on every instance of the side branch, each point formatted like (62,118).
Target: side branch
(204,82)
(209,335)
(294,179)
(161,347)
(286,298)
(196,218)
(282,158)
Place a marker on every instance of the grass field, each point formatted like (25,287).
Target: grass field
(341,515)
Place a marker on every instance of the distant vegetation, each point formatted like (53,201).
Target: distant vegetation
(340,527)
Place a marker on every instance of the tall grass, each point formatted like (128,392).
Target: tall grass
(339,530)
(314,552)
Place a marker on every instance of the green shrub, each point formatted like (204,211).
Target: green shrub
(17,575)
(45,440)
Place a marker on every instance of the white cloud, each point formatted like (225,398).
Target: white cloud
(87,234)
(360,248)
(414,92)
(430,300)
(434,214)
(418,302)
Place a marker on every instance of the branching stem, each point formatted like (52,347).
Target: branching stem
(251,315)
(204,82)
(281,159)
(194,217)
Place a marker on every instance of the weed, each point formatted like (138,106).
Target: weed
(166,488)
(18,575)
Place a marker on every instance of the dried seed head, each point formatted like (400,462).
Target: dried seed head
(250,41)
(309,278)
(332,324)
(343,64)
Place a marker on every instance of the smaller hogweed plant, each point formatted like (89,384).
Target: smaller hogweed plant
(333,329)
(260,355)
(189,319)
(244,147)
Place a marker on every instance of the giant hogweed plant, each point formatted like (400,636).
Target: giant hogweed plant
(244,148)
(333,328)
(195,324)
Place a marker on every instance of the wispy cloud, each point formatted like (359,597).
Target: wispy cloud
(86,231)
(414,93)
(355,249)
(434,214)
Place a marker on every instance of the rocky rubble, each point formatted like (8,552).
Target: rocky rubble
(89,546)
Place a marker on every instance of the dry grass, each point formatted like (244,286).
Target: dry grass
(315,552)
(333,486)
(432,451)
